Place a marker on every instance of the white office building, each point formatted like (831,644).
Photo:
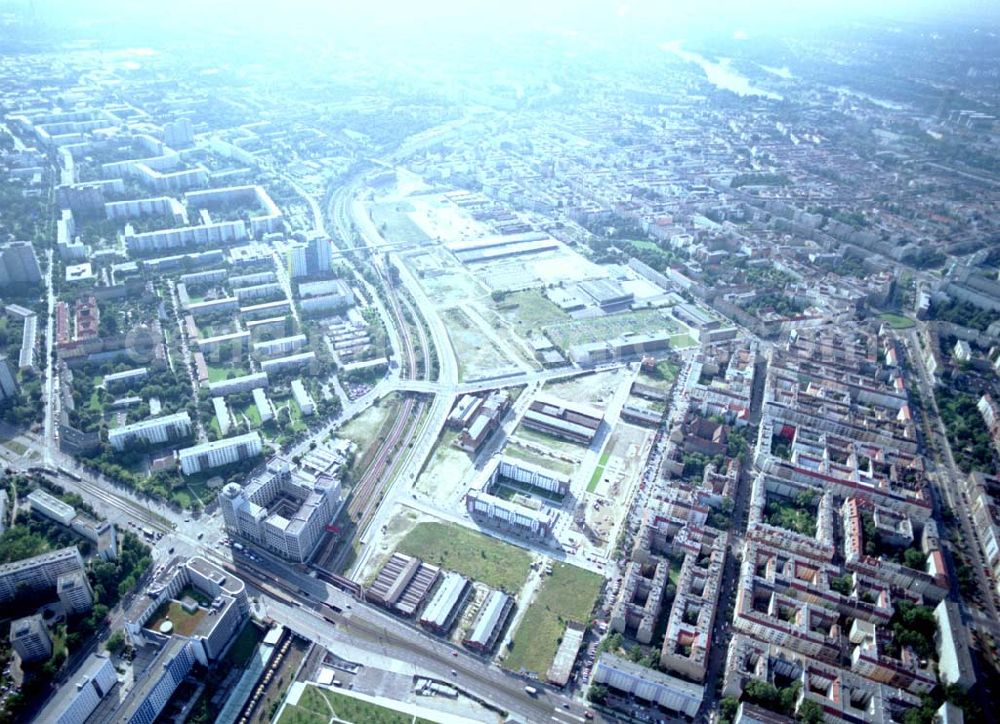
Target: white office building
(216,624)
(285,509)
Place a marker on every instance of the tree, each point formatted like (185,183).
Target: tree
(116,643)
(810,712)
(913,558)
(597,693)
(727,709)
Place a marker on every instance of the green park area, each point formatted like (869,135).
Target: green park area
(567,594)
(320,706)
(897,321)
(474,555)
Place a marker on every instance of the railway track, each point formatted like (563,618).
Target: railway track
(125,505)
(422,334)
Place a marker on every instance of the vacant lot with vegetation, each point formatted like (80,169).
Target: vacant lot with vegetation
(611,326)
(477,556)
(568,594)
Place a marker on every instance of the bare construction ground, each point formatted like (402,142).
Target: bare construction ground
(446,475)
(477,354)
(595,389)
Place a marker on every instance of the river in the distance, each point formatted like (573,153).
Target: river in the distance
(720,74)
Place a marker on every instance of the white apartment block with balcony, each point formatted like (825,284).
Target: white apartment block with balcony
(280,346)
(154,431)
(221,452)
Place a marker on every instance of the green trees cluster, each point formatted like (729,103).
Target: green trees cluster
(913,625)
(797,514)
(759,179)
(695,463)
(19,541)
(968,435)
(774,302)
(842,584)
(771,697)
(962,313)
(740,441)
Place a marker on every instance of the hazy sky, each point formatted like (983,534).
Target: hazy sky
(758,13)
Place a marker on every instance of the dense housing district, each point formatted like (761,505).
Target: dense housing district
(665,392)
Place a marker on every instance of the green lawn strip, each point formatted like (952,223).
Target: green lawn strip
(253,414)
(293,714)
(477,556)
(595,479)
(244,645)
(568,594)
(356,711)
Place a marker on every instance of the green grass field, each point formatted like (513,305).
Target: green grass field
(253,414)
(645,244)
(682,341)
(569,594)
(897,321)
(217,374)
(183,497)
(16,447)
(477,556)
(321,705)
